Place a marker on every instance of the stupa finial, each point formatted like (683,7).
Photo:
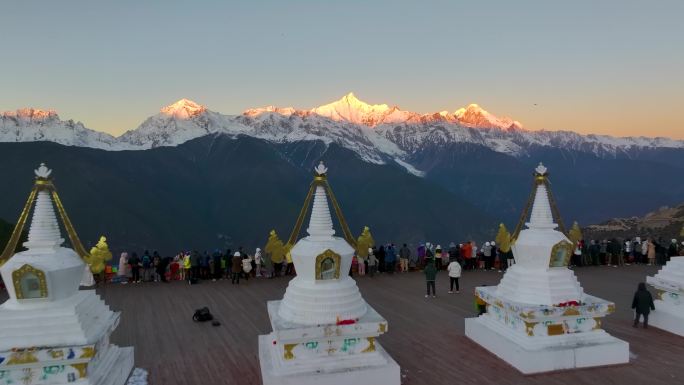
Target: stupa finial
(541,169)
(42,171)
(321,169)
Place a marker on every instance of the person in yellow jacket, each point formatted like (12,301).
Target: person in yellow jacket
(186,266)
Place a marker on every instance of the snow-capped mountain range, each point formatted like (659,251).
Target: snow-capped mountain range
(32,125)
(350,109)
(377,133)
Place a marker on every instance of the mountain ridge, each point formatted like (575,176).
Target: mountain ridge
(350,109)
(377,133)
(667,222)
(220,192)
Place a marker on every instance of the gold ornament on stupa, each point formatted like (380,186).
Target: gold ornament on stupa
(275,248)
(99,256)
(364,242)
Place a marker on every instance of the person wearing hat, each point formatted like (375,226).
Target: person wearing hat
(236,263)
(438,257)
(487,252)
(672,250)
(372,262)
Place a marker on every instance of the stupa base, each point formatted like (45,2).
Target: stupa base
(115,368)
(667,317)
(608,351)
(332,372)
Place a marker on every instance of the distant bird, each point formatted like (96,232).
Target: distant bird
(535,104)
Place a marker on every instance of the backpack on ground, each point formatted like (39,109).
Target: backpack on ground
(202,315)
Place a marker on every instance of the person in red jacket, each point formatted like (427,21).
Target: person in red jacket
(467,254)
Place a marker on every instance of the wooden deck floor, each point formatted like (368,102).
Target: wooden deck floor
(426,337)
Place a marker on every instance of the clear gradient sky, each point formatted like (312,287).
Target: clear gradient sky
(597,66)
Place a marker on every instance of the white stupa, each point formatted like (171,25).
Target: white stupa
(323,330)
(669,302)
(51,332)
(538,318)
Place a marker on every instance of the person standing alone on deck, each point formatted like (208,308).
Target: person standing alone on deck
(430,276)
(642,304)
(454,270)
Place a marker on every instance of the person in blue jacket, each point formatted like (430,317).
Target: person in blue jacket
(391,259)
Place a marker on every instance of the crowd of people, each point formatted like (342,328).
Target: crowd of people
(387,258)
(621,252)
(190,266)
(193,266)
